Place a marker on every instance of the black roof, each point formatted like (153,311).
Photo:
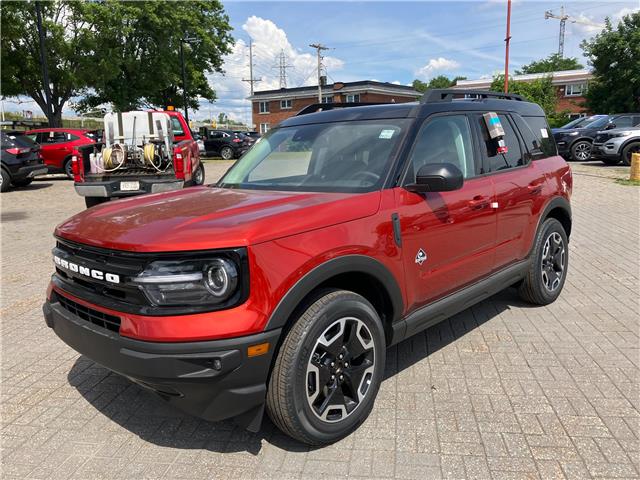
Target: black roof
(418,109)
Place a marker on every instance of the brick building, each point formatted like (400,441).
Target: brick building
(570,86)
(270,107)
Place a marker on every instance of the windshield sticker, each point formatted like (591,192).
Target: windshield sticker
(544,133)
(386,134)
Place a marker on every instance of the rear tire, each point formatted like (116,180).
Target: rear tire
(227,153)
(549,264)
(335,344)
(22,183)
(628,150)
(68,168)
(198,175)
(93,201)
(5,181)
(581,151)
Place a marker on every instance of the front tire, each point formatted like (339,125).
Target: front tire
(581,151)
(328,370)
(628,150)
(226,153)
(549,263)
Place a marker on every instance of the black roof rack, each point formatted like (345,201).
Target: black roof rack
(318,107)
(450,94)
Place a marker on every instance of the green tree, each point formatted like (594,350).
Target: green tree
(614,55)
(140,51)
(540,91)
(70,42)
(441,81)
(553,63)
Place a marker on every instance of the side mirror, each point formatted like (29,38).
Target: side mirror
(437,177)
(610,126)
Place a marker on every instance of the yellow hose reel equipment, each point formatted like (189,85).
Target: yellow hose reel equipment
(113,157)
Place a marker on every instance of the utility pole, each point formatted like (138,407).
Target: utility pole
(251,80)
(563,17)
(185,97)
(506,50)
(282,66)
(319,48)
(43,63)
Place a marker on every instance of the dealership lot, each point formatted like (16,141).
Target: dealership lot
(502,390)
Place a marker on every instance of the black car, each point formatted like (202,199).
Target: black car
(575,141)
(21,160)
(224,143)
(251,136)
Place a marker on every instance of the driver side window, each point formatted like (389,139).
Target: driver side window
(444,139)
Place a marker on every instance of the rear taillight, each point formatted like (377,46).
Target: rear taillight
(236,140)
(77,169)
(18,151)
(178,165)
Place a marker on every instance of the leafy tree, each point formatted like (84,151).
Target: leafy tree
(69,46)
(441,81)
(614,55)
(540,91)
(140,51)
(553,63)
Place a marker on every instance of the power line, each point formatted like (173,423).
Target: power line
(251,80)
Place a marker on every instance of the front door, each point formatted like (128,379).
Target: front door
(448,238)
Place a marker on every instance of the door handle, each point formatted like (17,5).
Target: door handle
(478,202)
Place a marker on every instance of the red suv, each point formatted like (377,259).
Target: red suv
(59,145)
(338,234)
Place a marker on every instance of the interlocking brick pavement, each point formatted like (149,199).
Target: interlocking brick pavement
(502,390)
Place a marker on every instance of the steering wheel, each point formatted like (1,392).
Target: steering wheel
(367,176)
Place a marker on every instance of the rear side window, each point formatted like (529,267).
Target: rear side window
(623,122)
(541,130)
(502,161)
(177,127)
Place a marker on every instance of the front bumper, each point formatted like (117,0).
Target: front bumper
(111,188)
(606,149)
(213,379)
(564,146)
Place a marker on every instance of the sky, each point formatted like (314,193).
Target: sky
(390,41)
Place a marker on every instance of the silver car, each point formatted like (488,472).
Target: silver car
(612,146)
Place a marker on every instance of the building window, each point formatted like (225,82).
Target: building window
(354,98)
(327,99)
(574,89)
(264,127)
(263,107)
(285,104)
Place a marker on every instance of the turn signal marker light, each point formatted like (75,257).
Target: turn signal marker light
(256,350)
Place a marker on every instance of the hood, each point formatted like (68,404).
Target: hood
(635,130)
(564,131)
(201,218)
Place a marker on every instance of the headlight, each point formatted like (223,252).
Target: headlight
(189,282)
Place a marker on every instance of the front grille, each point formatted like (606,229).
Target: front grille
(104,320)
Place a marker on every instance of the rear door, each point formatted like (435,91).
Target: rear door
(519,184)
(447,238)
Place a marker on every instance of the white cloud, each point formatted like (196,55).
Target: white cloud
(437,64)
(617,17)
(587,25)
(268,42)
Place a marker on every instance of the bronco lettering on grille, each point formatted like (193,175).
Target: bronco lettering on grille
(85,271)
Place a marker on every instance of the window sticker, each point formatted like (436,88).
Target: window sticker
(386,134)
(544,133)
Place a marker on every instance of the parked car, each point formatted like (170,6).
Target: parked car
(249,136)
(347,231)
(254,135)
(20,160)
(224,143)
(144,152)
(59,145)
(613,146)
(575,143)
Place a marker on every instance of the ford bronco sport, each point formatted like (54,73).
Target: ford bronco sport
(340,233)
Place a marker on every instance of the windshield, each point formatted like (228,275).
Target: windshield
(330,157)
(587,121)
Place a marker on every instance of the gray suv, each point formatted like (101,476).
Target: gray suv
(612,146)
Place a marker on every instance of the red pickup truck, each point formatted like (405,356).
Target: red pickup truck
(143,152)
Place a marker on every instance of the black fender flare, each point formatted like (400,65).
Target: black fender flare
(555,202)
(626,144)
(336,266)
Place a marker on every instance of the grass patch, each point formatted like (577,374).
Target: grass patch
(627,182)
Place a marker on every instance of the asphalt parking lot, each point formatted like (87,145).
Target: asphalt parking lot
(502,390)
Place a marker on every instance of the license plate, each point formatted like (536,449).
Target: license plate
(129,186)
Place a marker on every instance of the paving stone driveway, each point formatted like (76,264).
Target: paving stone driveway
(502,390)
